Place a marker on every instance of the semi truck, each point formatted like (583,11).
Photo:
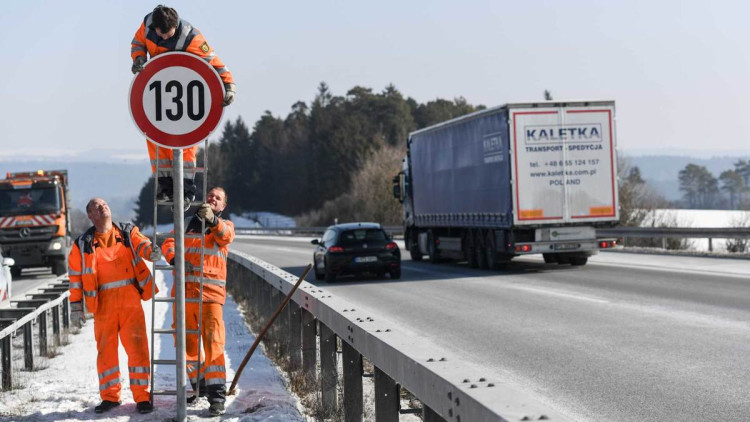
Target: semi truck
(518,179)
(35,220)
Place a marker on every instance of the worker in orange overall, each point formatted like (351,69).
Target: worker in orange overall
(162,31)
(107,270)
(217,237)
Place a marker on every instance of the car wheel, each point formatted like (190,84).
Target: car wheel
(396,273)
(416,255)
(329,275)
(15,271)
(318,274)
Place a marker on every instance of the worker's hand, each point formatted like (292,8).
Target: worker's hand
(229,96)
(189,267)
(155,254)
(206,214)
(138,64)
(77,316)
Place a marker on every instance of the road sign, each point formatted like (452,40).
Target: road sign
(175,101)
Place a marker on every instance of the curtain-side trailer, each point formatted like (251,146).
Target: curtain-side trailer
(523,178)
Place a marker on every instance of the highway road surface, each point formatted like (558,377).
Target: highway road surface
(628,337)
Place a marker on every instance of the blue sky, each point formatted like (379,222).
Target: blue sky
(678,70)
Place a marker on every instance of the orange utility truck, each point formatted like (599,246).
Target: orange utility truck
(35,219)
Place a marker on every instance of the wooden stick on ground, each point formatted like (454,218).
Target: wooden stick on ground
(232,390)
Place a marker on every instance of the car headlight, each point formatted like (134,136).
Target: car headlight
(56,245)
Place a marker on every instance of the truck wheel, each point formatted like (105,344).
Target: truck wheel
(563,259)
(490,255)
(471,257)
(579,260)
(549,258)
(416,255)
(15,271)
(59,266)
(481,257)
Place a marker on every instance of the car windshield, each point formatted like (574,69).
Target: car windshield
(29,201)
(362,235)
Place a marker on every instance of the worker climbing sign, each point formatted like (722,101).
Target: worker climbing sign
(176,100)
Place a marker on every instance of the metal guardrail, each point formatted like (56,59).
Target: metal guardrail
(677,232)
(449,388)
(35,307)
(288,231)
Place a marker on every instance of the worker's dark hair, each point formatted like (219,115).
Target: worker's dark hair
(165,18)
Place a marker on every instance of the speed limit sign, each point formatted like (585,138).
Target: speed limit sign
(176,100)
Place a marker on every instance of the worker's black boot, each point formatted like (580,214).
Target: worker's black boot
(106,406)
(189,190)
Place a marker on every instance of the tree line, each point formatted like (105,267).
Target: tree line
(702,190)
(319,158)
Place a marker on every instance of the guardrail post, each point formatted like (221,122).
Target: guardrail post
(386,398)
(56,325)
(309,344)
(66,313)
(282,328)
(710,245)
(7,350)
(42,321)
(429,415)
(664,243)
(294,337)
(328,370)
(353,401)
(28,346)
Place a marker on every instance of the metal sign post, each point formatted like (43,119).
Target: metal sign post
(176,102)
(179,284)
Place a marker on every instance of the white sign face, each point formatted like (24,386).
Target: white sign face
(564,167)
(177,100)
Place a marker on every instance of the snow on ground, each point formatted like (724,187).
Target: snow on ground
(702,219)
(67,390)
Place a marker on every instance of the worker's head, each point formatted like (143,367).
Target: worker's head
(98,211)
(217,199)
(164,21)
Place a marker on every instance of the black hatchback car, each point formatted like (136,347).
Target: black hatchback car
(356,248)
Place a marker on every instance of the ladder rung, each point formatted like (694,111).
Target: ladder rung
(164,331)
(164,299)
(163,267)
(192,332)
(164,392)
(164,362)
(185,169)
(193,300)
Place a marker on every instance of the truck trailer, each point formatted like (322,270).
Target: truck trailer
(35,219)
(518,179)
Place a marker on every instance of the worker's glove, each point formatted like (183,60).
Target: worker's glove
(155,254)
(138,64)
(77,316)
(229,96)
(189,268)
(206,214)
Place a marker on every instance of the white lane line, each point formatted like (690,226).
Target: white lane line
(557,294)
(503,285)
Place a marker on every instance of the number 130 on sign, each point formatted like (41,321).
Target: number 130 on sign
(176,100)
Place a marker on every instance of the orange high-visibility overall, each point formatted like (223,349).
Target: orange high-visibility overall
(217,240)
(103,269)
(187,38)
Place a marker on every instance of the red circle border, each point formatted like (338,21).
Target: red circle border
(215,87)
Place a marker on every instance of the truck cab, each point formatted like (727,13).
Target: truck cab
(35,220)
